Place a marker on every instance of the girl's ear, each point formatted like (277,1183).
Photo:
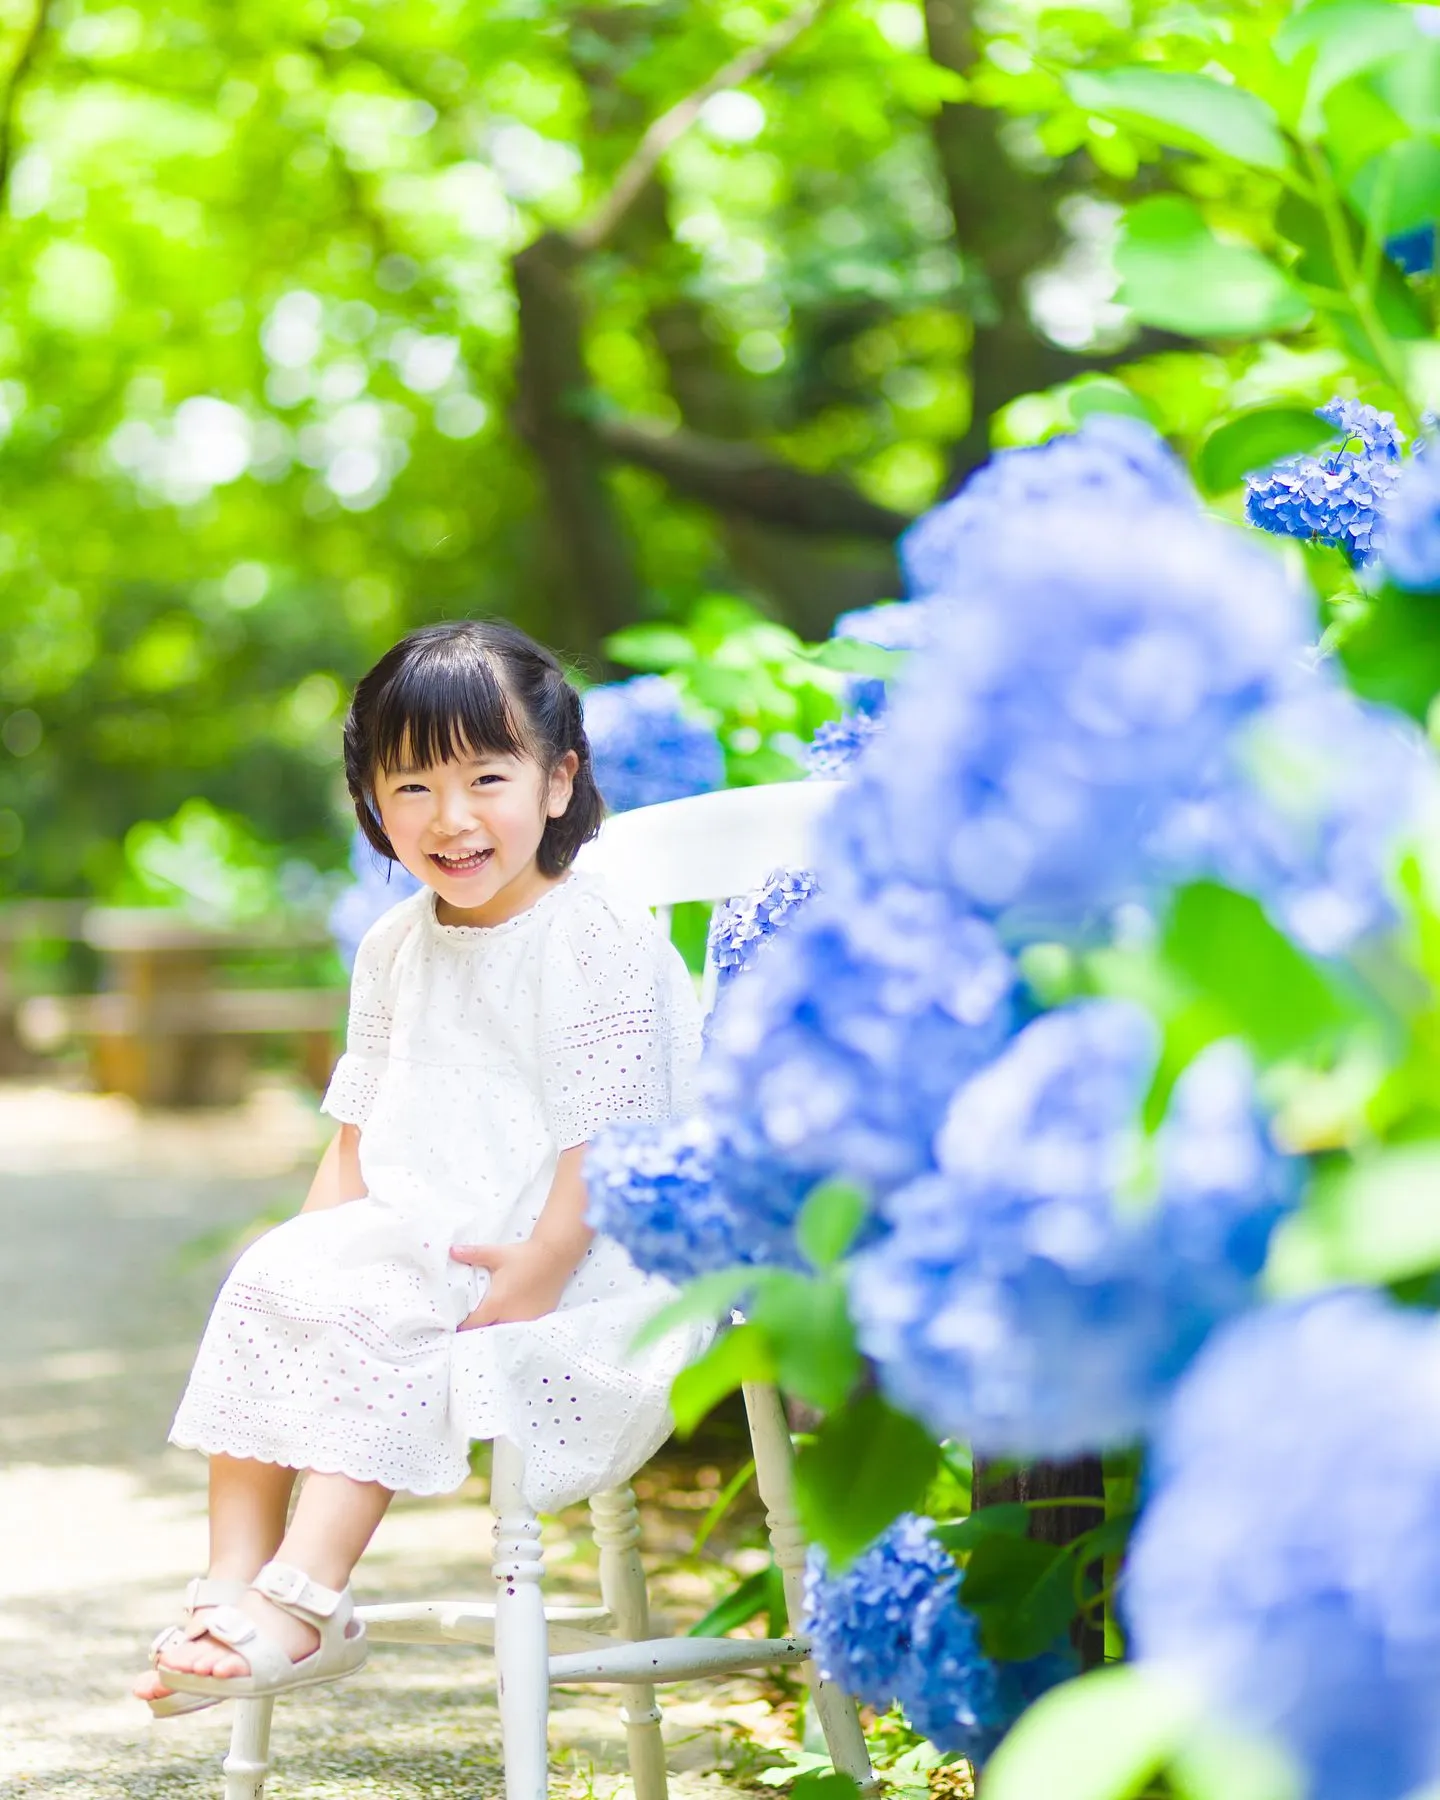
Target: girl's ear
(562,785)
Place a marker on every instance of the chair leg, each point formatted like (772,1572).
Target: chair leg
(622,1587)
(522,1657)
(249,1758)
(775,1478)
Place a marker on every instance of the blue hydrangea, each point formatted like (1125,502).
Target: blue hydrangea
(1040,1293)
(739,927)
(955,1695)
(379,884)
(1339,496)
(646,747)
(840,1049)
(681,1203)
(1112,462)
(839,742)
(1413,251)
(1070,698)
(1412,525)
(1376,431)
(891,1627)
(1308,811)
(860,1621)
(1288,1558)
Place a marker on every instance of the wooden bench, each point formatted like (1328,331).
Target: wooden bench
(163,1030)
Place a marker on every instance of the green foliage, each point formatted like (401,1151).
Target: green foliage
(1100,1738)
(866,1466)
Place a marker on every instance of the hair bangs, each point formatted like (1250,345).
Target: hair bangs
(444,705)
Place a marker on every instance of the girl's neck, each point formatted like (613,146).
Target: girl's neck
(517,896)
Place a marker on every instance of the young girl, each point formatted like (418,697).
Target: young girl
(440,1283)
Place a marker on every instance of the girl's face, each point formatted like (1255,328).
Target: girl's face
(471,829)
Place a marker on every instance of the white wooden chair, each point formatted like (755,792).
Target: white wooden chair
(709,848)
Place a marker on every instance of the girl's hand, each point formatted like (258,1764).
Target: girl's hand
(526,1281)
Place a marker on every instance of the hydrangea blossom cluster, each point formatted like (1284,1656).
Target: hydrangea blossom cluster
(682,1203)
(840,1049)
(1413,251)
(1412,525)
(646,748)
(891,1627)
(1070,698)
(1339,497)
(1112,462)
(1288,1559)
(379,884)
(1041,1292)
(739,927)
(838,742)
(1307,812)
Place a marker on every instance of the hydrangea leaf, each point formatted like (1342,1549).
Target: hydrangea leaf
(1336,42)
(818,1784)
(866,1466)
(1022,1592)
(1253,440)
(734,1358)
(1400,311)
(810,1335)
(1194,112)
(1375,1221)
(853,656)
(1008,1519)
(1222,1764)
(706,1297)
(1176,273)
(829,1221)
(1261,987)
(1102,1737)
(653,648)
(1399,190)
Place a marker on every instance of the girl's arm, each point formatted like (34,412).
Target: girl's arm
(338,1178)
(527,1279)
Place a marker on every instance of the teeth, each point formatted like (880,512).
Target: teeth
(467,859)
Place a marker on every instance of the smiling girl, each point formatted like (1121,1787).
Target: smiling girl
(440,1283)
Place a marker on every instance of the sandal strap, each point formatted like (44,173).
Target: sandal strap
(210,1590)
(235,1629)
(293,1591)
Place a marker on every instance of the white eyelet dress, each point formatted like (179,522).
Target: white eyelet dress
(476,1055)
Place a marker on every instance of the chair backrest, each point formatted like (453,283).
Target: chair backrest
(710,847)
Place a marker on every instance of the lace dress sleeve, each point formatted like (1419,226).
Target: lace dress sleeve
(356,1080)
(610,1043)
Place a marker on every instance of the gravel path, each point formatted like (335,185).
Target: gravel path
(114,1227)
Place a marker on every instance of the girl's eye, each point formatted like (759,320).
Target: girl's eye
(485,780)
(411,787)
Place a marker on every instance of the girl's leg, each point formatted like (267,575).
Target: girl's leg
(335,1518)
(248,1503)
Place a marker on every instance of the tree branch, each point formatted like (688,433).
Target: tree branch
(742,478)
(24,62)
(673,123)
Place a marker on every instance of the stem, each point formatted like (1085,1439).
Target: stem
(1065,1500)
(723,1502)
(1361,299)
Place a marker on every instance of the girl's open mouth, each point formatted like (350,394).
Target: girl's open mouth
(464,862)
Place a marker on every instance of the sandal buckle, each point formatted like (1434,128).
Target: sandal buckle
(282,1582)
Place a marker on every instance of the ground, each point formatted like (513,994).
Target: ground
(116,1226)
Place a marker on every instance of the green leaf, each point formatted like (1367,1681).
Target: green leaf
(866,1465)
(1334,41)
(1400,189)
(1258,984)
(762,1592)
(1392,654)
(1400,312)
(819,1786)
(735,1357)
(1374,1221)
(807,1326)
(1251,441)
(1102,1737)
(1007,1519)
(1194,112)
(1022,1592)
(650,647)
(1220,1764)
(829,1221)
(706,1297)
(853,656)
(1174,272)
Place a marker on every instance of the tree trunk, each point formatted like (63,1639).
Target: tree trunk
(1083,1479)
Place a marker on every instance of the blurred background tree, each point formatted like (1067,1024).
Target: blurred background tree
(326,320)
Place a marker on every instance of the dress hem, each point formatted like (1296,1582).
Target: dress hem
(228,1447)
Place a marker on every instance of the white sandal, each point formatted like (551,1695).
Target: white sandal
(203,1591)
(341,1651)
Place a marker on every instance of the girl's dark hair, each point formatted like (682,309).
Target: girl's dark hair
(476,687)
